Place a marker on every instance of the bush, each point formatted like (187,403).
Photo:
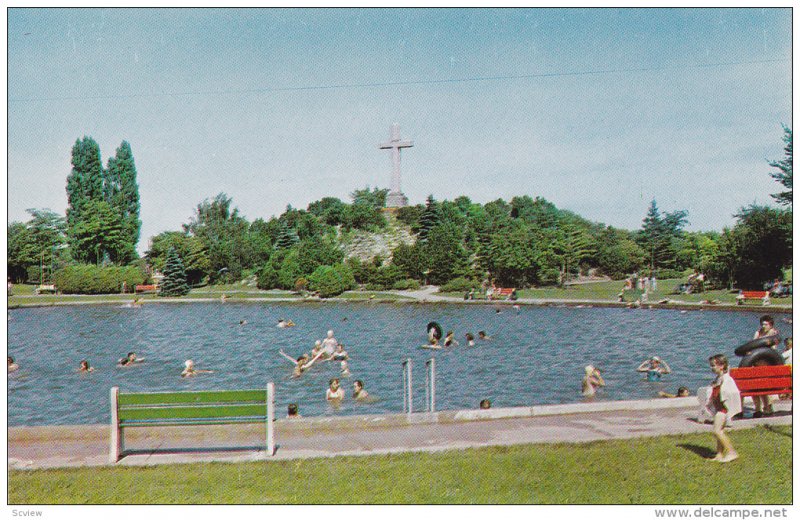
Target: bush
(406,285)
(664,274)
(267,278)
(90,279)
(300,285)
(331,280)
(549,276)
(460,285)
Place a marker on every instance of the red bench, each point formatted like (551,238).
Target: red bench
(763,380)
(753,295)
(502,292)
(145,288)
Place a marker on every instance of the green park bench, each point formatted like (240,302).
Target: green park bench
(137,410)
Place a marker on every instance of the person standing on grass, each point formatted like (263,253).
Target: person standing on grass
(725,402)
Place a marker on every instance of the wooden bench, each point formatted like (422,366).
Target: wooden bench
(502,292)
(145,288)
(44,288)
(137,410)
(753,295)
(763,380)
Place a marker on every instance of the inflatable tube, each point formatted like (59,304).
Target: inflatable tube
(437,330)
(760,357)
(766,341)
(431,347)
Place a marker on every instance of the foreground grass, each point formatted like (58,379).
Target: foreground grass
(659,470)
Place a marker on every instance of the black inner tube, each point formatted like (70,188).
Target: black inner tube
(766,341)
(762,356)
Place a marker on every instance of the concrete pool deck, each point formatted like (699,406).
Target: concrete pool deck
(40,447)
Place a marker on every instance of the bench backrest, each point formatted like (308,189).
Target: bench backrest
(755,294)
(763,379)
(216,406)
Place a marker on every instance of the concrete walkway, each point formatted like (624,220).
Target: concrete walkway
(80,446)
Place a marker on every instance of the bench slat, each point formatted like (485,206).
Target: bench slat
(192,412)
(216,396)
(764,383)
(194,422)
(762,371)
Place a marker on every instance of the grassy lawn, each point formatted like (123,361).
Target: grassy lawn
(659,470)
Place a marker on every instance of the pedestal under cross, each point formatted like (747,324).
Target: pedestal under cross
(395,199)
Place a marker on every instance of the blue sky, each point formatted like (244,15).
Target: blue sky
(597,110)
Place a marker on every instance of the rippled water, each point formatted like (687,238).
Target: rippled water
(535,356)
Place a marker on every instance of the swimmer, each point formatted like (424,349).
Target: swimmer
(345,372)
(329,344)
(242,322)
(292,412)
(485,404)
(12,367)
(316,349)
(654,367)
(682,392)
(190,371)
(289,323)
(335,393)
(340,354)
(592,381)
(449,340)
(470,339)
(302,363)
(85,367)
(359,394)
(516,307)
(281,323)
(129,360)
(483,335)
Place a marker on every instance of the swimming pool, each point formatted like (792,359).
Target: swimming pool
(535,356)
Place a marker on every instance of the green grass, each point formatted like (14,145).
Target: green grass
(372,295)
(658,470)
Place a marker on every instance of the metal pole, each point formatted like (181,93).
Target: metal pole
(408,398)
(432,391)
(270,419)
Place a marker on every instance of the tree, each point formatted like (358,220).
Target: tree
(84,185)
(574,245)
(98,236)
(38,243)
(122,193)
(784,173)
(191,250)
(287,237)
(764,240)
(429,218)
(445,255)
(174,282)
(314,252)
(659,235)
(331,280)
(330,210)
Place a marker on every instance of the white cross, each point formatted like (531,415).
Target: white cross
(395,144)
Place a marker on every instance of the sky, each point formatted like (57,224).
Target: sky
(599,111)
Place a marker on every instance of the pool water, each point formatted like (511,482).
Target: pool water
(535,355)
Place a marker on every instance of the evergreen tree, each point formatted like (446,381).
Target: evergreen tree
(429,218)
(287,237)
(784,175)
(174,282)
(84,185)
(122,193)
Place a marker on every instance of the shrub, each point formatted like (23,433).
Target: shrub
(300,285)
(267,277)
(408,284)
(331,280)
(459,285)
(91,279)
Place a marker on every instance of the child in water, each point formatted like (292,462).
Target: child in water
(190,371)
(345,369)
(335,393)
(12,367)
(85,367)
(592,380)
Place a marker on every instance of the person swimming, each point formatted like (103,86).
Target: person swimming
(85,367)
(592,380)
(470,339)
(335,393)
(302,363)
(654,367)
(359,394)
(190,371)
(129,360)
(329,344)
(345,371)
(449,340)
(12,367)
(292,411)
(682,392)
(482,335)
(340,354)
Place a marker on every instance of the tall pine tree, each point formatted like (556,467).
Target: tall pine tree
(429,219)
(84,185)
(122,193)
(174,282)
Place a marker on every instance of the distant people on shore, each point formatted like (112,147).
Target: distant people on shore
(190,371)
(592,380)
(682,392)
(654,367)
(84,367)
(12,367)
